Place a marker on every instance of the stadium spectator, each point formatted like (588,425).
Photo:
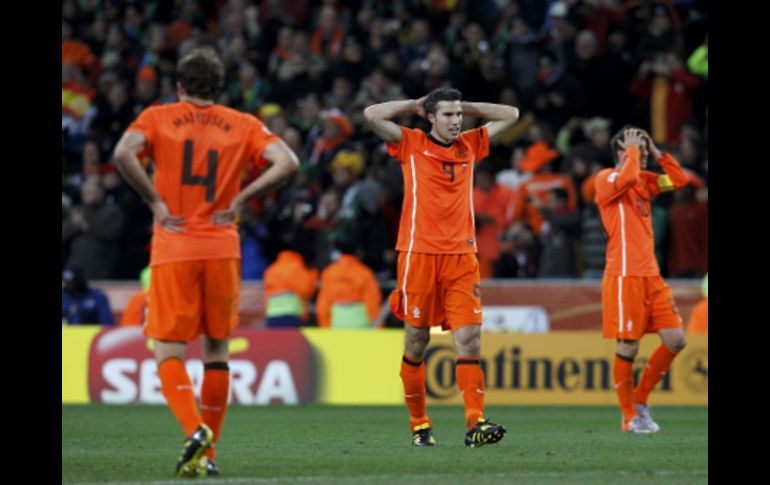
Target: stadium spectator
(493,209)
(349,296)
(93,231)
(82,304)
(135,312)
(699,318)
(288,284)
(688,225)
(560,230)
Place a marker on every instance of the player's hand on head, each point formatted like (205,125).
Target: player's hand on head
(651,145)
(164,218)
(631,137)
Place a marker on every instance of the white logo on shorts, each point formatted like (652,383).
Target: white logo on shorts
(629,326)
(416,312)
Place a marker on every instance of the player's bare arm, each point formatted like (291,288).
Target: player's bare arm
(500,116)
(379,117)
(284,163)
(128,163)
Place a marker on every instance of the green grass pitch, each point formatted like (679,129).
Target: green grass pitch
(316,444)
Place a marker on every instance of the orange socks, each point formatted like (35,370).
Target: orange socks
(214,394)
(624,385)
(177,389)
(413,377)
(470,379)
(654,371)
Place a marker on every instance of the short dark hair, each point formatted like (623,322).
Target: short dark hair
(441,94)
(201,73)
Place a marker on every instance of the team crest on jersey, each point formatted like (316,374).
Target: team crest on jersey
(416,312)
(612,177)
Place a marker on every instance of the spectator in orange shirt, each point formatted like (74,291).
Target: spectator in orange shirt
(493,208)
(135,312)
(699,318)
(289,283)
(349,296)
(537,160)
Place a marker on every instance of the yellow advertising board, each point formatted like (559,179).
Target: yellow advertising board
(358,366)
(362,367)
(563,368)
(75,344)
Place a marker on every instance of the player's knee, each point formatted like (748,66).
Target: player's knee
(472,348)
(416,345)
(215,349)
(627,349)
(678,344)
(469,345)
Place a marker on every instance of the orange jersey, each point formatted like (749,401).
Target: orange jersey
(437,213)
(623,199)
(200,154)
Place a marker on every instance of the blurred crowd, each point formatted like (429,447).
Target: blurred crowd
(578,70)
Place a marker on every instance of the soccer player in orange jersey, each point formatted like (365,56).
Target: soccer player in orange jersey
(635,299)
(200,150)
(438,272)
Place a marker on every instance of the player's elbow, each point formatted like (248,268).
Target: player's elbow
(514,115)
(289,162)
(512,118)
(121,153)
(370,114)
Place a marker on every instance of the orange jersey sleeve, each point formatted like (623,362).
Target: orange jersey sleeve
(617,183)
(675,176)
(437,212)
(200,154)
